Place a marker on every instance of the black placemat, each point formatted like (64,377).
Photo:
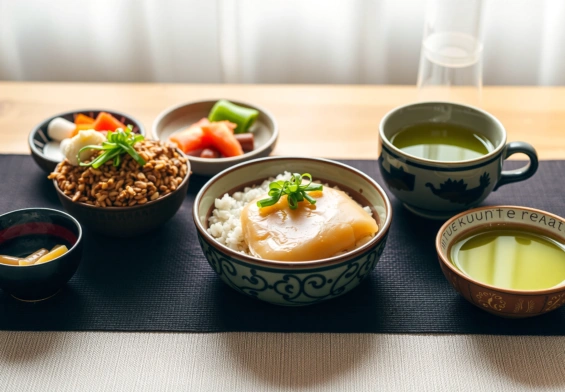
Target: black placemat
(162,282)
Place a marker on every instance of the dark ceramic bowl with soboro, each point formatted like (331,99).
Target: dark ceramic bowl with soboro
(127,221)
(22,232)
(39,139)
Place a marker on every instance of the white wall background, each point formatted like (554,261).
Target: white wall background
(263,41)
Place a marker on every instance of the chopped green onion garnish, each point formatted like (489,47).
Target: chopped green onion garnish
(118,143)
(295,191)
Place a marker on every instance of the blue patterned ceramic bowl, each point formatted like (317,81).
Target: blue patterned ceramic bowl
(293,283)
(440,189)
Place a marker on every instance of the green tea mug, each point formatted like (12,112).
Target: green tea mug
(440,189)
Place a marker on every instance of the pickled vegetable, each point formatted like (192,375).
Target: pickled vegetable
(9,260)
(246,141)
(34,257)
(209,153)
(107,122)
(192,138)
(55,252)
(222,138)
(83,119)
(225,110)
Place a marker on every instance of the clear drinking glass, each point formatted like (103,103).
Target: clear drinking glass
(452,52)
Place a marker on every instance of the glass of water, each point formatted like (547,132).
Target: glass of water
(452,53)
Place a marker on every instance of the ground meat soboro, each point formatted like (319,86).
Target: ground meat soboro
(129,184)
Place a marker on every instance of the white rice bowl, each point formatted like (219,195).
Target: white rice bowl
(225,222)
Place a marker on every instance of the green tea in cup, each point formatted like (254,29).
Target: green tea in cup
(511,258)
(441,141)
(439,158)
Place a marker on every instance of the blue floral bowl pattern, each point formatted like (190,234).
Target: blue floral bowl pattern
(301,287)
(292,283)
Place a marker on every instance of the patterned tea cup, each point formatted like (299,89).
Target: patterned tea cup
(440,189)
(301,282)
(496,300)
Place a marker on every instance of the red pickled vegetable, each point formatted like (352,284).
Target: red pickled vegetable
(209,153)
(246,141)
(107,122)
(201,122)
(194,153)
(192,138)
(222,138)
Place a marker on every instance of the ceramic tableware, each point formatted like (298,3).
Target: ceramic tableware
(21,233)
(496,300)
(293,283)
(127,221)
(440,189)
(265,131)
(39,139)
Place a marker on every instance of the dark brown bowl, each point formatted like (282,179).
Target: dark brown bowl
(127,221)
(500,301)
(22,232)
(38,137)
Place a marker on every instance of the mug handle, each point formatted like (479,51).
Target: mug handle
(509,176)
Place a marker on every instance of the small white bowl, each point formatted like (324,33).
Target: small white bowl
(265,131)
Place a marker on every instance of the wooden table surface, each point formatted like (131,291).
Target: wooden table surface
(329,121)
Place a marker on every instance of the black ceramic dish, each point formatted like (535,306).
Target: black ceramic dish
(23,232)
(127,221)
(38,137)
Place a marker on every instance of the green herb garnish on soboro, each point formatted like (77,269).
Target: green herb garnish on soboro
(117,143)
(295,191)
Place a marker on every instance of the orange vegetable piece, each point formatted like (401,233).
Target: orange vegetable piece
(83,119)
(222,138)
(82,127)
(201,122)
(229,124)
(191,138)
(107,122)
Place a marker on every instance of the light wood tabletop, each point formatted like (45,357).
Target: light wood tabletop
(315,120)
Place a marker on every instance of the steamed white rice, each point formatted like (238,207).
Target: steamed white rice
(225,223)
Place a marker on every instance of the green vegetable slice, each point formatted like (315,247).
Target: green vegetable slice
(239,115)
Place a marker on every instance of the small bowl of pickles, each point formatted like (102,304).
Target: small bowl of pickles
(506,260)
(218,134)
(40,250)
